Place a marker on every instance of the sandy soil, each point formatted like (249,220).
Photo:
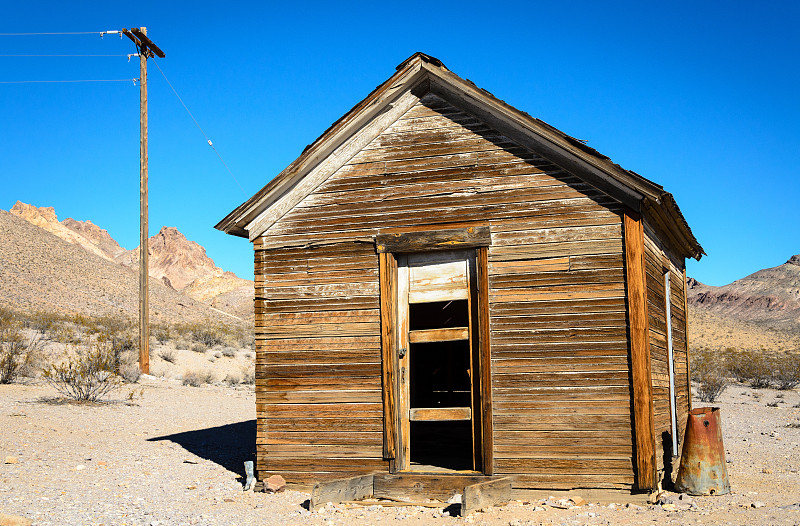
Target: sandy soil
(163,454)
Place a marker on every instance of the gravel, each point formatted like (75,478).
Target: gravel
(166,454)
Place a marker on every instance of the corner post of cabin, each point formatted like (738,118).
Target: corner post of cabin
(387,273)
(686,337)
(644,430)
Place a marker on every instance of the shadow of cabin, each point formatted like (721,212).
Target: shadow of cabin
(228,445)
(446,285)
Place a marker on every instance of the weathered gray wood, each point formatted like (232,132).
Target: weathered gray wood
(422,485)
(328,165)
(434,240)
(345,489)
(485,494)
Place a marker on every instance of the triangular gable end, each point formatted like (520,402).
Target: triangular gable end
(415,77)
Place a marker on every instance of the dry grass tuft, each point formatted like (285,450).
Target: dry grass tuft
(197,378)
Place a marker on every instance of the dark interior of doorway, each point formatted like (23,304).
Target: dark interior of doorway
(440,378)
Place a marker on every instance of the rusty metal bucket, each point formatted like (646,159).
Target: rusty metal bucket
(702,470)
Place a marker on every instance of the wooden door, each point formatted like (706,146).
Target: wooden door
(439,406)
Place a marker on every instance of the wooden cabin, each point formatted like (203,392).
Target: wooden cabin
(445,284)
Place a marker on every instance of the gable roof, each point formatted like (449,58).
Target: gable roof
(414,77)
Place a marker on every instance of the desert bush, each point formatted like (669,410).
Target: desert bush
(232,379)
(182,345)
(18,351)
(229,352)
(754,368)
(761,369)
(168,355)
(130,372)
(787,371)
(208,337)
(249,375)
(86,374)
(199,347)
(43,322)
(247,340)
(119,340)
(197,378)
(710,372)
(162,333)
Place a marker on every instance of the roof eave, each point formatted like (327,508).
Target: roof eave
(407,73)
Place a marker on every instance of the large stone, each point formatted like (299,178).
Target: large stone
(274,484)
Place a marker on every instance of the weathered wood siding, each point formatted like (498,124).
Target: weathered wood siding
(318,361)
(560,372)
(656,255)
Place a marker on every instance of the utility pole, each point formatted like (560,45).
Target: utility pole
(146,49)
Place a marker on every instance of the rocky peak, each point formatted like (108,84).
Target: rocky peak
(45,217)
(794,260)
(98,236)
(32,214)
(175,258)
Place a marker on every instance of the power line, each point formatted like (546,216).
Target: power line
(65,81)
(199,127)
(60,33)
(63,55)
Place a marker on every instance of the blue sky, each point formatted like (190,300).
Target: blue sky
(699,97)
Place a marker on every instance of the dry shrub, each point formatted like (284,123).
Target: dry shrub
(162,333)
(18,351)
(761,369)
(168,355)
(130,372)
(248,375)
(748,367)
(247,340)
(197,378)
(86,374)
(787,373)
(199,348)
(229,352)
(232,379)
(43,322)
(710,372)
(208,337)
(182,345)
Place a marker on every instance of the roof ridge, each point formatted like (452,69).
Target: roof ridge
(424,58)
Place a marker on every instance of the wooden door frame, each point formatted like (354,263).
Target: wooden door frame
(389,246)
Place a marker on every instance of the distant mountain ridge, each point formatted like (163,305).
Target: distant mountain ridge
(761,310)
(175,261)
(40,271)
(770,296)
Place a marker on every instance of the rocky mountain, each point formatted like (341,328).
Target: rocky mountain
(184,266)
(175,261)
(770,296)
(759,310)
(40,271)
(82,233)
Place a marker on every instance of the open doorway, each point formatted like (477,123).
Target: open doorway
(439,409)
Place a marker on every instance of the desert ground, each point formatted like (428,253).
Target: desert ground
(163,453)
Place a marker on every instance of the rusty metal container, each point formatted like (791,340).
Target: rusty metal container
(702,470)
